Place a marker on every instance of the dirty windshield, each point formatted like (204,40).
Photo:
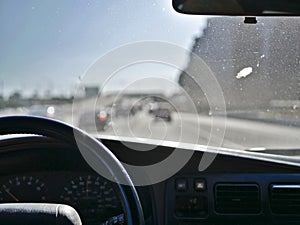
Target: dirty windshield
(139,70)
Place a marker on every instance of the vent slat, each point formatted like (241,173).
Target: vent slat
(249,196)
(237,198)
(285,198)
(285,194)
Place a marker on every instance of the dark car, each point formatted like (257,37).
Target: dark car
(162,113)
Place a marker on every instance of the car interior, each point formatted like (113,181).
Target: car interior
(217,146)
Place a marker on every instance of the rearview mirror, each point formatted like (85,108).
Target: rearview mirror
(238,7)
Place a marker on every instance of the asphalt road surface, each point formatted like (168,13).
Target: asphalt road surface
(193,129)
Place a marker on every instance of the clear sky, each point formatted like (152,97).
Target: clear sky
(49,44)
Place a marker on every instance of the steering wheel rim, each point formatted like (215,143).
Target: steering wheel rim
(97,155)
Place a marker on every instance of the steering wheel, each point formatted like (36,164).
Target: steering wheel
(98,156)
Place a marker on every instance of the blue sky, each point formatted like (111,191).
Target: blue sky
(49,44)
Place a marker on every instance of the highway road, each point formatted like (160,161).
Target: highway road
(197,129)
(191,128)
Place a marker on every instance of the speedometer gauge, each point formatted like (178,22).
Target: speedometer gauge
(23,189)
(93,197)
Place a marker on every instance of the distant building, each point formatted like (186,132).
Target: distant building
(91,91)
(270,48)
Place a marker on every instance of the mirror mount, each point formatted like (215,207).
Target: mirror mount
(250,20)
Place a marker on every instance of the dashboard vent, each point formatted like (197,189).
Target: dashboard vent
(237,198)
(285,198)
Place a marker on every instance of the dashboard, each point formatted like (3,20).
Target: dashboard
(235,189)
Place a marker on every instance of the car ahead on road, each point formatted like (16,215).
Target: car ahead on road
(99,120)
(161,110)
(162,113)
(230,71)
(102,120)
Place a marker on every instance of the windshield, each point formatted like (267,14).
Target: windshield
(139,70)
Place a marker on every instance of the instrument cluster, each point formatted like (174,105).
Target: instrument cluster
(92,196)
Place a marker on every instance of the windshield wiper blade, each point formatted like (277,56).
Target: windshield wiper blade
(282,151)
